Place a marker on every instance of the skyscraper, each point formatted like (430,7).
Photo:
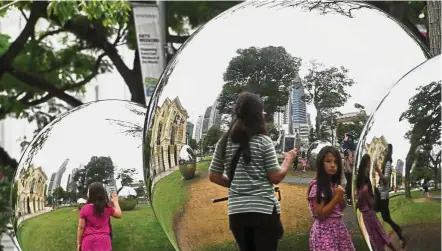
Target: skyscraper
(299,111)
(215,116)
(189,129)
(56,177)
(206,128)
(198,128)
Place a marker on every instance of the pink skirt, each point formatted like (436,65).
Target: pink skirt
(304,163)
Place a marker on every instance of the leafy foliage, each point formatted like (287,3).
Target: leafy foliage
(212,137)
(326,90)
(127,176)
(268,72)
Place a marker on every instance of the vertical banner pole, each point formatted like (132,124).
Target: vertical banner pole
(150,45)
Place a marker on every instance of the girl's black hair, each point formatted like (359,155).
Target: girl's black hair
(362,180)
(387,157)
(248,121)
(323,181)
(98,197)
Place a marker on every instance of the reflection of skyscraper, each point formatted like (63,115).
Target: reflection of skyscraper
(198,128)
(206,128)
(299,111)
(299,108)
(51,183)
(72,186)
(111,187)
(58,175)
(189,129)
(215,116)
(400,166)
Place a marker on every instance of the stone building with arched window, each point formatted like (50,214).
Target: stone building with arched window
(375,149)
(168,135)
(31,191)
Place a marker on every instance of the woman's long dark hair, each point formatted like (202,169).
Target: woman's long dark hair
(248,121)
(323,181)
(387,157)
(98,197)
(362,180)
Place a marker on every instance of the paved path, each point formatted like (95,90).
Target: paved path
(297,180)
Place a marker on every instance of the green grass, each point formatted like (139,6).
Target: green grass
(406,212)
(289,242)
(57,231)
(170,197)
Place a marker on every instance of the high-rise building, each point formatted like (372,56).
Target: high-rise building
(215,116)
(400,167)
(56,182)
(206,128)
(72,186)
(198,128)
(299,108)
(189,129)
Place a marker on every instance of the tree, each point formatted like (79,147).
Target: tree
(127,176)
(355,126)
(326,89)
(268,72)
(433,10)
(212,137)
(192,143)
(424,116)
(58,194)
(273,131)
(329,124)
(99,169)
(311,135)
(140,191)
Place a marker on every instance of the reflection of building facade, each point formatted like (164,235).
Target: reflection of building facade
(56,182)
(31,189)
(198,128)
(375,149)
(168,135)
(72,186)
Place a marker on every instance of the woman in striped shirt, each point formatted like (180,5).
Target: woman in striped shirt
(248,157)
(384,190)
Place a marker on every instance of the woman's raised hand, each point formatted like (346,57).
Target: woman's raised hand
(114,198)
(291,155)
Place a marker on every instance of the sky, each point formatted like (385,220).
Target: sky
(376,52)
(86,133)
(386,118)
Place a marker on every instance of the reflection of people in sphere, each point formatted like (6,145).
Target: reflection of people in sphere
(303,161)
(378,237)
(384,190)
(94,231)
(248,156)
(348,147)
(326,201)
(426,191)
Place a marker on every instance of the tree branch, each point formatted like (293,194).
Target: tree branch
(49,33)
(178,39)
(23,14)
(16,47)
(43,84)
(88,78)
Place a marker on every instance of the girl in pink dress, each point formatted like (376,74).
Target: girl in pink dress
(378,237)
(326,201)
(94,231)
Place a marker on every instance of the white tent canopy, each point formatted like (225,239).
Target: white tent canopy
(81,201)
(127,191)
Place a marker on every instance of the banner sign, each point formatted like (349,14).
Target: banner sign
(150,46)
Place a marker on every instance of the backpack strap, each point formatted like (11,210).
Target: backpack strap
(233,164)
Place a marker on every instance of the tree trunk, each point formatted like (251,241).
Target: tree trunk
(433,14)
(318,121)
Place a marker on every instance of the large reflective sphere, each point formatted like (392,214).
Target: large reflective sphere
(407,122)
(98,141)
(314,149)
(334,54)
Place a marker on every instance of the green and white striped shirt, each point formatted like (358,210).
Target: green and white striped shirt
(251,190)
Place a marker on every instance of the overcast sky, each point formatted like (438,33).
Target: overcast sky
(88,132)
(376,52)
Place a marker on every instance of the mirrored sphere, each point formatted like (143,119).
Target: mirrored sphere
(99,141)
(399,156)
(314,149)
(344,53)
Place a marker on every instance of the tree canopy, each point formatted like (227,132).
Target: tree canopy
(269,72)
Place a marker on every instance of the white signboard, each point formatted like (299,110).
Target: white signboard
(150,46)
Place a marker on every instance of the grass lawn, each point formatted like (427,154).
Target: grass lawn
(408,212)
(57,231)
